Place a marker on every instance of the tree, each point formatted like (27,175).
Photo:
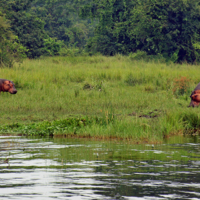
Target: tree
(47,22)
(10,48)
(28,27)
(111,33)
(62,20)
(167,27)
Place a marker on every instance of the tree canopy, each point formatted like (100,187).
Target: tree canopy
(44,26)
(169,28)
(10,48)
(111,33)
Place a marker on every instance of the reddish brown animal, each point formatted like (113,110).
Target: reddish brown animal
(195,96)
(7,86)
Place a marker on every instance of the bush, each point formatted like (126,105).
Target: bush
(72,51)
(51,47)
(138,55)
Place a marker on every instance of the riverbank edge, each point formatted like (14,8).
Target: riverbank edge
(110,128)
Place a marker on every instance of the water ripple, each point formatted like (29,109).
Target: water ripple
(46,168)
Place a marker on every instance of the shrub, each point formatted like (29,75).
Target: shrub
(138,55)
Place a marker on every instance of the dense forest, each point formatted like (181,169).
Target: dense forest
(33,28)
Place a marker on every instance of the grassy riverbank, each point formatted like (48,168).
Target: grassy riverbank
(102,97)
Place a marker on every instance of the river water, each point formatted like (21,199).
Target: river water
(56,168)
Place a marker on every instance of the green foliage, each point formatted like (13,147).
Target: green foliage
(5,36)
(62,20)
(111,33)
(10,48)
(143,29)
(65,126)
(51,47)
(138,55)
(71,51)
(167,27)
(191,120)
(44,27)
(28,27)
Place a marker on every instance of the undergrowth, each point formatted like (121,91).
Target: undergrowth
(49,128)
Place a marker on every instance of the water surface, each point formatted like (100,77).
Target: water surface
(55,168)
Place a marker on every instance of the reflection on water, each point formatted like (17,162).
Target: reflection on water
(47,168)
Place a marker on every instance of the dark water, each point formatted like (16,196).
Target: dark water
(38,168)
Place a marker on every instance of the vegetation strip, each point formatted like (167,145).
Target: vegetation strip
(100,97)
(80,127)
(168,30)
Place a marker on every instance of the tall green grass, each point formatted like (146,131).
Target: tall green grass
(60,88)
